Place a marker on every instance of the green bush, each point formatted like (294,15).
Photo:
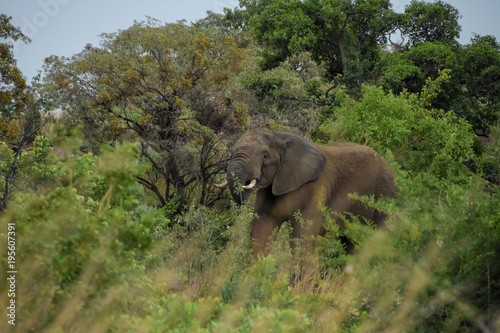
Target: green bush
(419,139)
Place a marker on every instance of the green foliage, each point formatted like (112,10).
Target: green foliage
(430,22)
(70,247)
(40,166)
(421,140)
(471,91)
(481,63)
(399,73)
(337,33)
(6,158)
(262,87)
(411,69)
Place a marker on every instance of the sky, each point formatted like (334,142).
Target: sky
(64,27)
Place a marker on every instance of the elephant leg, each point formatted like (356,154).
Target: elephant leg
(304,232)
(306,228)
(261,229)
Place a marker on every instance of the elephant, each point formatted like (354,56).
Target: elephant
(292,174)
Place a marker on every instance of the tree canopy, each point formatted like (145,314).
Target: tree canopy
(13,86)
(167,84)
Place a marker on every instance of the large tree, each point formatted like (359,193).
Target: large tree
(344,36)
(21,107)
(168,85)
(430,22)
(13,87)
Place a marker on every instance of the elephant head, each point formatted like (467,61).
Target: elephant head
(279,161)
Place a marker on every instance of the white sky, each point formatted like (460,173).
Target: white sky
(64,27)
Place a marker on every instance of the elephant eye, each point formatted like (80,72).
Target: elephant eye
(265,155)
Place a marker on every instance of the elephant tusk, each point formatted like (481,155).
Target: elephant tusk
(251,185)
(223,185)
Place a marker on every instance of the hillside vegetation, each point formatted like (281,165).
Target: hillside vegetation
(116,226)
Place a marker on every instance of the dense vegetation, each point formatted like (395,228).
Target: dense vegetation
(119,228)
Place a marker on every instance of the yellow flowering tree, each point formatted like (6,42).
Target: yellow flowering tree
(169,86)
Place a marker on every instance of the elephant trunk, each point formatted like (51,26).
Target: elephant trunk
(237,178)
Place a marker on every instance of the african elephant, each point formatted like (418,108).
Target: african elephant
(292,174)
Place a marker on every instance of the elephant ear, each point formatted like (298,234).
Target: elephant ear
(300,163)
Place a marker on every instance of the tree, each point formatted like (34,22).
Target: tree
(343,36)
(472,91)
(409,70)
(20,106)
(430,22)
(481,84)
(166,84)
(13,87)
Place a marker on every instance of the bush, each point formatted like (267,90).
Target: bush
(419,139)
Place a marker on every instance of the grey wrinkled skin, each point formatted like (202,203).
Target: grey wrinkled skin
(294,175)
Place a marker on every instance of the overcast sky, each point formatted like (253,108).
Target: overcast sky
(64,27)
